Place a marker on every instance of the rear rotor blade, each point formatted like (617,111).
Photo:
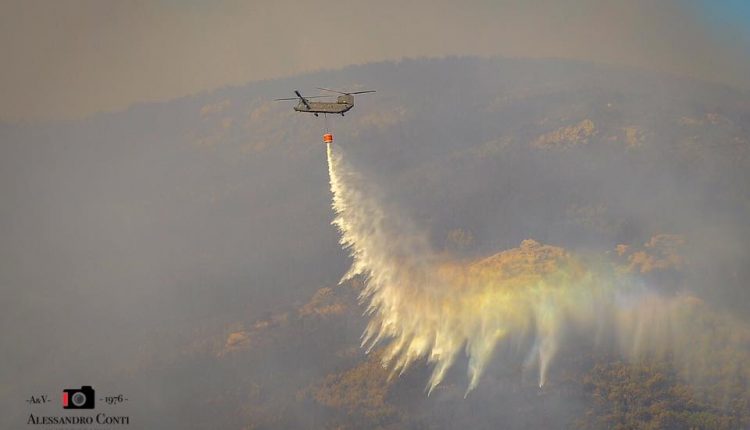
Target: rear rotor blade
(333,91)
(363,92)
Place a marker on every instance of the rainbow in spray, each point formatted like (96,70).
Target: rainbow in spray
(425,305)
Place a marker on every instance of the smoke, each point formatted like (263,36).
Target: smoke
(72,76)
(429,305)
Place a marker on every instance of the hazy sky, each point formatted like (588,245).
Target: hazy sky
(68,59)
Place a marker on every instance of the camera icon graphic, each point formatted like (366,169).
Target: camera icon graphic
(80,398)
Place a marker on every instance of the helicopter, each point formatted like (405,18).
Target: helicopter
(343,103)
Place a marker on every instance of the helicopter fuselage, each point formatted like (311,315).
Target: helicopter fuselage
(342,104)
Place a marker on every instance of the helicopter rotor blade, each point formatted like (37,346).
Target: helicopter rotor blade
(297,98)
(333,91)
(302,99)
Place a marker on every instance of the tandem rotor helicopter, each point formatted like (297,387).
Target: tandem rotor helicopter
(344,102)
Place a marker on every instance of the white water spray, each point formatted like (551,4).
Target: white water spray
(423,305)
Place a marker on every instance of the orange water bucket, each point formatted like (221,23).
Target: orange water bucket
(328,138)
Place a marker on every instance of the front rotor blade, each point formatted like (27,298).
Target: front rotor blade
(363,92)
(297,98)
(302,99)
